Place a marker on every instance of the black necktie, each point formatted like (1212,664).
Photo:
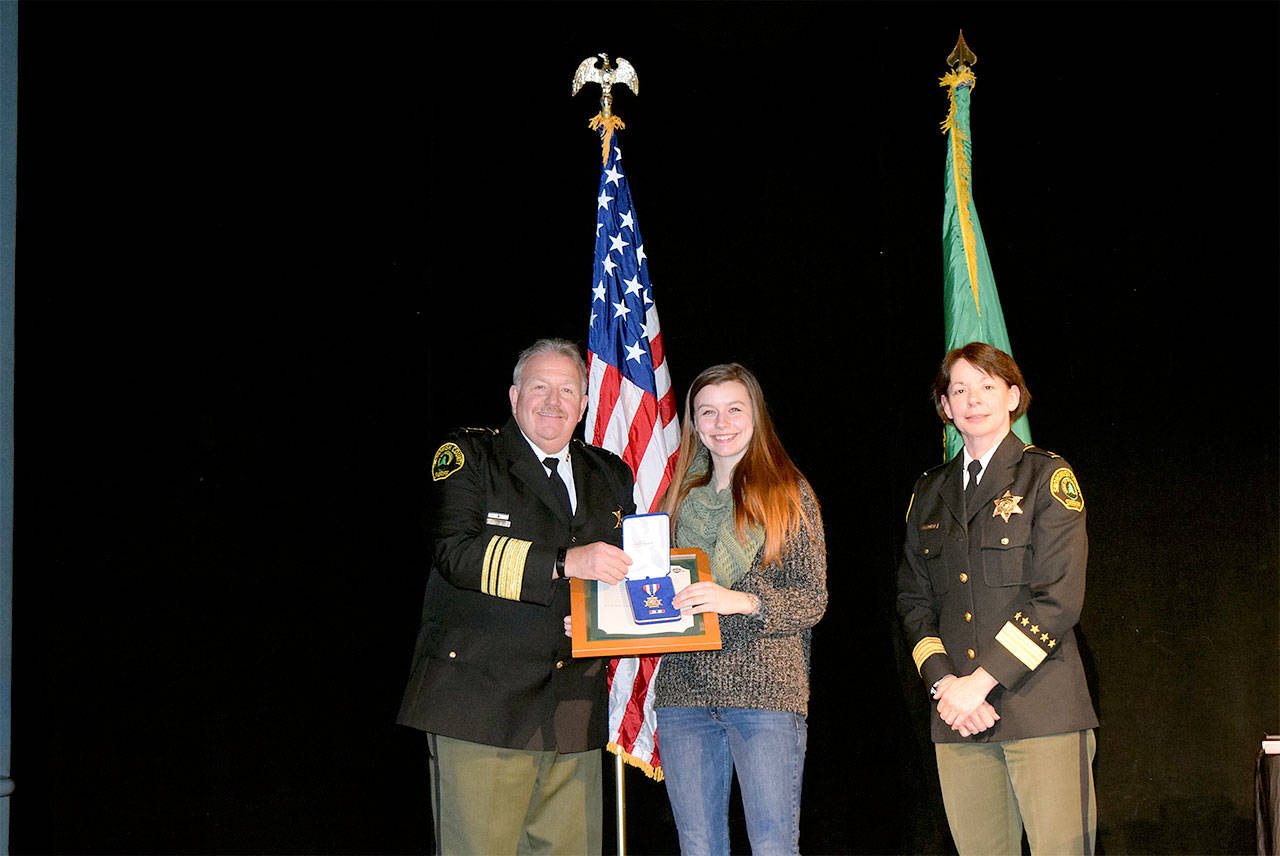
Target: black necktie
(975,468)
(558,486)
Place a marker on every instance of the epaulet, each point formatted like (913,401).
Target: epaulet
(587,445)
(1037,450)
(492,432)
(934,469)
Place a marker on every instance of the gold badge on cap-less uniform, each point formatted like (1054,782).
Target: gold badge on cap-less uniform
(448,460)
(1007,506)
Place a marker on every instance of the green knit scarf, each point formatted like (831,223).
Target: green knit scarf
(706,522)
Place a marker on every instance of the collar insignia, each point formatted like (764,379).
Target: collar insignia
(1007,506)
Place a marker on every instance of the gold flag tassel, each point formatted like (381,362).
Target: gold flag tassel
(648,770)
(606,125)
(961,175)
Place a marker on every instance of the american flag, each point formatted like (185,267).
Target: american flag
(631,412)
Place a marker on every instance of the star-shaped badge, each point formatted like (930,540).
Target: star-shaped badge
(1007,506)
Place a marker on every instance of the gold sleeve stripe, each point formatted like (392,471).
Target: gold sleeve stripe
(926,648)
(503,569)
(513,568)
(1017,644)
(486,575)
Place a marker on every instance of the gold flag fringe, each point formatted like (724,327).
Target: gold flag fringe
(962,175)
(606,125)
(628,758)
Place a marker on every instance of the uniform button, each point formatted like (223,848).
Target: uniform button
(559,664)
(968,616)
(573,539)
(926,551)
(972,654)
(1004,541)
(964,578)
(453,655)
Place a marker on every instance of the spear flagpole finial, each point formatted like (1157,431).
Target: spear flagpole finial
(961,55)
(605,121)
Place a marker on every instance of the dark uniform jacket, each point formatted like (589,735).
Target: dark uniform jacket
(1000,587)
(492,663)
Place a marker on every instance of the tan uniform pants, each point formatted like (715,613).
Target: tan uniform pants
(991,789)
(494,801)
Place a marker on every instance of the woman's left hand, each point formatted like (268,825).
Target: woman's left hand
(713,597)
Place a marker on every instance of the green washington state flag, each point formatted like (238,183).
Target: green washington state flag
(970,303)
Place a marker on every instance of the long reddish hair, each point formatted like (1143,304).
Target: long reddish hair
(766,483)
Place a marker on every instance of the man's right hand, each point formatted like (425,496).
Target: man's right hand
(598,561)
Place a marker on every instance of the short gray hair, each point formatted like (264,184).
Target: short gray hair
(563,347)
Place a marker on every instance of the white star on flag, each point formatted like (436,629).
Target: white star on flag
(598,292)
(621,310)
(617,243)
(635,352)
(603,201)
(633,284)
(627,222)
(609,265)
(613,175)
(640,256)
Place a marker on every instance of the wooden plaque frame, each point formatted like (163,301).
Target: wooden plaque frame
(590,641)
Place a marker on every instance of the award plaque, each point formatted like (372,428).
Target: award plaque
(606,622)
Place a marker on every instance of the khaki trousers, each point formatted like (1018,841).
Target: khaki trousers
(494,801)
(991,790)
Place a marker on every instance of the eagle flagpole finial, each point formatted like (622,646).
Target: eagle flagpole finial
(604,121)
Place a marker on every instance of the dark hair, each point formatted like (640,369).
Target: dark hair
(988,359)
(766,483)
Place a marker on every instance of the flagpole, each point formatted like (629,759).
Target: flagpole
(606,123)
(621,786)
(631,407)
(970,301)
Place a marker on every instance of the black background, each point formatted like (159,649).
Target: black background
(268,253)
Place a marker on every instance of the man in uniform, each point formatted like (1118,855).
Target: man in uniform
(514,722)
(989,591)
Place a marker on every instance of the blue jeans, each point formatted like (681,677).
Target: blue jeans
(700,748)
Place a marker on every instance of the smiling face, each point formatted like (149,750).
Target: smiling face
(979,405)
(550,400)
(725,421)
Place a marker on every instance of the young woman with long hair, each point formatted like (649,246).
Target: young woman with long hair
(736,494)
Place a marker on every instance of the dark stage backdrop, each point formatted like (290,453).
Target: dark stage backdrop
(269,253)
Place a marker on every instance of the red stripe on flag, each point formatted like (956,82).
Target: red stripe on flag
(666,480)
(606,397)
(640,432)
(667,407)
(656,351)
(633,718)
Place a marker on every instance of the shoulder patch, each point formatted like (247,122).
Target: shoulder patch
(447,461)
(1039,451)
(1063,486)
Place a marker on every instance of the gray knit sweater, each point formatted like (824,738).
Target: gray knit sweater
(764,659)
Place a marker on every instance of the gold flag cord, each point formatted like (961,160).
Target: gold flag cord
(606,125)
(961,175)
